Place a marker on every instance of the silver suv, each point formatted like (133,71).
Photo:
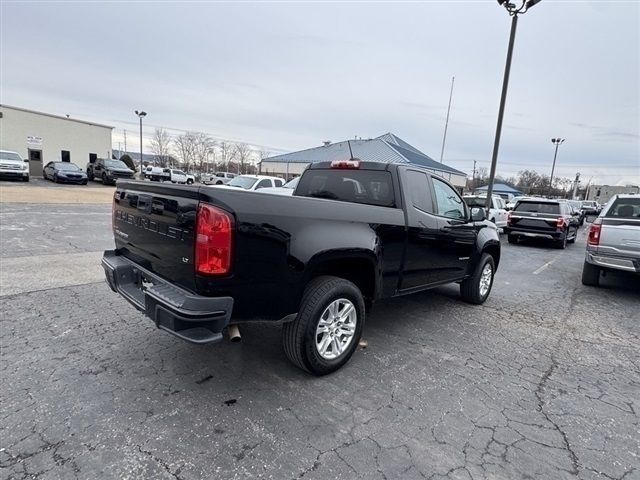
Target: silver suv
(614,239)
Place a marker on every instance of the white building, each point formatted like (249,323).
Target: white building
(42,138)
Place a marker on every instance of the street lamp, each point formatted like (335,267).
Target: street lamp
(513,11)
(556,142)
(141,114)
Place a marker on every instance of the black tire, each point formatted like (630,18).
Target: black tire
(84,183)
(299,336)
(189,181)
(575,236)
(44,176)
(512,239)
(562,243)
(470,288)
(104,179)
(55,178)
(590,275)
(218,183)
(90,176)
(25,179)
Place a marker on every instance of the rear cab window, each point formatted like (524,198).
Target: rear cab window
(627,208)
(538,207)
(369,187)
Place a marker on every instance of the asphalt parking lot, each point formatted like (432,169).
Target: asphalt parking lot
(542,381)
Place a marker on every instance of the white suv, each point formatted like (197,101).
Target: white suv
(12,166)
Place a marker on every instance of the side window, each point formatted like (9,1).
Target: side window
(449,204)
(418,189)
(278,182)
(263,183)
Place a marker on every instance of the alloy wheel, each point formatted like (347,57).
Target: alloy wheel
(336,329)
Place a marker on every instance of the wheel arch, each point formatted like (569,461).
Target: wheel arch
(493,249)
(359,267)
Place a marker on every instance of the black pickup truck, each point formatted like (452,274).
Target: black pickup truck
(196,259)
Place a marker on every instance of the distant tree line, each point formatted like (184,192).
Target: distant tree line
(198,152)
(528,182)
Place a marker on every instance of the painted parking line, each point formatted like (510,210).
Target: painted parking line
(545,266)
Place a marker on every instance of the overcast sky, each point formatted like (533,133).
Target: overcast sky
(286,76)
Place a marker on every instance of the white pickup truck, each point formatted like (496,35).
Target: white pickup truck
(159,174)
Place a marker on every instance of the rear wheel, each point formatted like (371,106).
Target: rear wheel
(476,289)
(590,275)
(90,176)
(104,179)
(512,238)
(328,327)
(575,235)
(562,243)
(189,181)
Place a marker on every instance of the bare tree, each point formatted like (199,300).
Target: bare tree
(185,147)
(204,148)
(262,154)
(244,154)
(227,154)
(161,146)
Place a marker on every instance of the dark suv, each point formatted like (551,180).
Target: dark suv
(108,171)
(542,218)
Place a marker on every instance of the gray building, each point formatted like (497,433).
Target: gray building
(387,148)
(42,137)
(602,193)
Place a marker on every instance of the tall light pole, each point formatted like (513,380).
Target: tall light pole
(557,142)
(141,114)
(513,11)
(446,123)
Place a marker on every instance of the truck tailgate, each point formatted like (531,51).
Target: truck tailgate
(154,225)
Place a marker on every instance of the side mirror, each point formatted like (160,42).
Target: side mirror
(589,218)
(26,160)
(478,214)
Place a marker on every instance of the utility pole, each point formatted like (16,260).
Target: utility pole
(125,140)
(473,181)
(446,123)
(575,186)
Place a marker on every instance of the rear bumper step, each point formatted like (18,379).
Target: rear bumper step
(190,317)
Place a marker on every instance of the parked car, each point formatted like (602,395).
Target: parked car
(497,213)
(589,207)
(64,172)
(12,166)
(287,189)
(543,218)
(218,178)
(576,205)
(314,261)
(614,239)
(253,182)
(108,171)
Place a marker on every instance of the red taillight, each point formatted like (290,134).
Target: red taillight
(594,232)
(560,223)
(345,164)
(214,232)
